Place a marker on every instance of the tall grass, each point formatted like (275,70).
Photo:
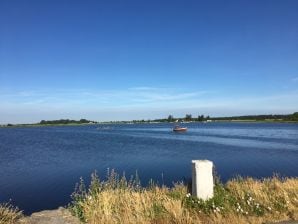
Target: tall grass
(118,200)
(9,214)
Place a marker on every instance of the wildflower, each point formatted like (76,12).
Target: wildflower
(246,213)
(269,208)
(188,195)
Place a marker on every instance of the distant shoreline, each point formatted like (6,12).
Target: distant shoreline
(286,118)
(271,118)
(41,125)
(160,122)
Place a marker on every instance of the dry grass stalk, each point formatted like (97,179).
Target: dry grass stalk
(9,214)
(239,201)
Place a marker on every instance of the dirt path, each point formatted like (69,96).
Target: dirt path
(63,216)
(58,216)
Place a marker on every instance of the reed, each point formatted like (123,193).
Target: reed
(9,214)
(118,200)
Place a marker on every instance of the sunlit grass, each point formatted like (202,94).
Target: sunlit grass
(118,200)
(9,214)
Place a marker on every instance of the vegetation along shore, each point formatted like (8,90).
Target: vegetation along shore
(118,200)
(188,118)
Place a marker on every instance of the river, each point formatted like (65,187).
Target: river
(39,166)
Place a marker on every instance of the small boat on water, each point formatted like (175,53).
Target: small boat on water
(179,129)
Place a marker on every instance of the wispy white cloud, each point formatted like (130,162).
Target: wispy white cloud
(144,88)
(93,98)
(135,103)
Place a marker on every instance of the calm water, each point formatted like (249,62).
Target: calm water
(40,166)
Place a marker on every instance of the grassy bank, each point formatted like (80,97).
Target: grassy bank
(118,200)
(9,214)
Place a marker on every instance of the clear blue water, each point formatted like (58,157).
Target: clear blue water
(39,166)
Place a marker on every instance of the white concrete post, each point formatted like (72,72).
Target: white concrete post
(202,179)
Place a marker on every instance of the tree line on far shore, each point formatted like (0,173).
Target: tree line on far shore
(66,121)
(188,118)
(201,118)
(287,117)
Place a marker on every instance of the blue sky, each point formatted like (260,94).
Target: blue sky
(123,60)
